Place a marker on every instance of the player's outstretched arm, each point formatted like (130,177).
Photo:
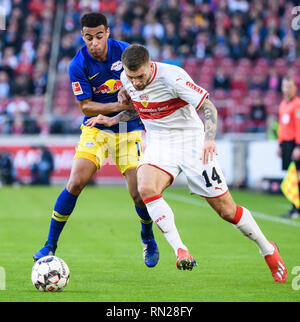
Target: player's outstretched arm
(124,116)
(91,108)
(210,126)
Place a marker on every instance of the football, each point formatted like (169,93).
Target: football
(50,274)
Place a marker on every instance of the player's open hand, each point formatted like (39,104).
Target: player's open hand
(208,151)
(100,119)
(123,97)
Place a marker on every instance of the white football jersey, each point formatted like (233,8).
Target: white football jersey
(170,99)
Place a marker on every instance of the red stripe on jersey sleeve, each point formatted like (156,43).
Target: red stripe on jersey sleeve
(202,100)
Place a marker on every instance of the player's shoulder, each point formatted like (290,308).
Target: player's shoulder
(117,44)
(163,67)
(297,101)
(169,72)
(77,61)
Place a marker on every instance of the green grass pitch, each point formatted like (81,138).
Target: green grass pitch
(101,244)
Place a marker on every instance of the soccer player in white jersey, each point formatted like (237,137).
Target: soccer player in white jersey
(166,99)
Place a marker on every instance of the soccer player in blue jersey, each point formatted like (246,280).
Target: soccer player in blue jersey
(95,79)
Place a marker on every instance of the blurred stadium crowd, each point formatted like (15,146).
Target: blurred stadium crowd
(238,50)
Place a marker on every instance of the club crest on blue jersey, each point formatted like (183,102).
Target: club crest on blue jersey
(117,66)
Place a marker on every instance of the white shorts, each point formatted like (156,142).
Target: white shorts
(179,151)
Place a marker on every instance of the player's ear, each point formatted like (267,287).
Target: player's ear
(107,32)
(151,66)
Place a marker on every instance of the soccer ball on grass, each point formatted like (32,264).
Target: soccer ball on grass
(50,274)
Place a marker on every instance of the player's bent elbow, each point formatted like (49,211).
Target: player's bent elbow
(86,108)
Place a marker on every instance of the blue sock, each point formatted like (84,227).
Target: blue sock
(146,222)
(63,208)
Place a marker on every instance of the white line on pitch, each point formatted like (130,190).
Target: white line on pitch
(202,203)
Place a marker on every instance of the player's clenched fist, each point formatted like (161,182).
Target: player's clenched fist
(123,96)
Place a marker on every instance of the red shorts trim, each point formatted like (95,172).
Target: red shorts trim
(153,165)
(215,196)
(200,103)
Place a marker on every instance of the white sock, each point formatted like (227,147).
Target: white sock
(161,213)
(246,224)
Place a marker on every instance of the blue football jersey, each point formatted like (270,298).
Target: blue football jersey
(100,80)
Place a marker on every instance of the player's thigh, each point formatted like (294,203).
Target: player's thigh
(81,173)
(152,180)
(224,206)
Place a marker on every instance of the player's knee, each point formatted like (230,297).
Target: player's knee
(146,191)
(75,185)
(226,213)
(137,199)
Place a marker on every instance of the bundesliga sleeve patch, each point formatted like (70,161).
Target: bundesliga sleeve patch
(77,90)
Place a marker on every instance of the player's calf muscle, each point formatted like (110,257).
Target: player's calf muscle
(224,206)
(227,214)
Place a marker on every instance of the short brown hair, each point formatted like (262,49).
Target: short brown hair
(135,56)
(289,79)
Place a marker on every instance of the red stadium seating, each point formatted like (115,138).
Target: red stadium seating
(281,66)
(215,51)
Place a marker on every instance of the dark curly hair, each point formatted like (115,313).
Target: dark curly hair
(93,19)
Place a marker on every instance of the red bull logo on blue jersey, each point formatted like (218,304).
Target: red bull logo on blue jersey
(110,86)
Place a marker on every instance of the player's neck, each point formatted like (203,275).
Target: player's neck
(290,98)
